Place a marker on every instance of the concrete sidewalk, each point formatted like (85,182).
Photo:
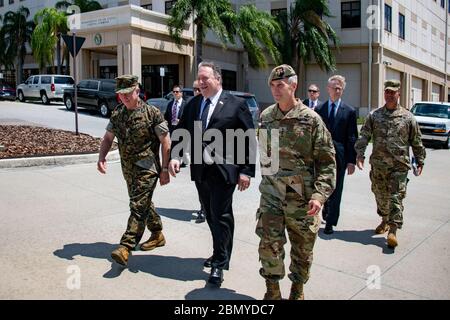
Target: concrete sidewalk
(59,222)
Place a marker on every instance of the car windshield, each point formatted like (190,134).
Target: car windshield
(431,110)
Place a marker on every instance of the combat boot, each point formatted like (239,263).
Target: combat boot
(392,237)
(382,227)
(297,291)
(120,255)
(156,240)
(273,291)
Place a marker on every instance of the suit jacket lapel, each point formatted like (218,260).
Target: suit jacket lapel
(218,108)
(339,114)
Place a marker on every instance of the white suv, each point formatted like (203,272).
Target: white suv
(47,87)
(434,121)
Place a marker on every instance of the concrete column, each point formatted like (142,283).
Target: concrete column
(119,60)
(189,71)
(405,97)
(135,52)
(427,89)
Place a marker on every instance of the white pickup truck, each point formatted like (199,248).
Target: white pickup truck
(434,121)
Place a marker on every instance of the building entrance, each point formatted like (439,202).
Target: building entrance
(151,79)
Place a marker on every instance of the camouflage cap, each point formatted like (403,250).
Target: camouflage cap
(393,85)
(281,72)
(126,83)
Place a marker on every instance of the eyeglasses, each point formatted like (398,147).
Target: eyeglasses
(313,90)
(176,91)
(197,89)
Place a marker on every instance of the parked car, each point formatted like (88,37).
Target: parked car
(434,121)
(47,87)
(252,104)
(93,94)
(7,92)
(160,103)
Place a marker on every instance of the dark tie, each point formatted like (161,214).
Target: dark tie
(204,115)
(331,117)
(312,105)
(174,112)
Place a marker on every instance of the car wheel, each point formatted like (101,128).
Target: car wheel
(69,103)
(446,144)
(21,96)
(44,98)
(104,110)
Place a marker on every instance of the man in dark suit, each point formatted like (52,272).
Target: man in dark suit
(175,108)
(313,101)
(216,173)
(340,119)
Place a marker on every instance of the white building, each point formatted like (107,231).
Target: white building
(409,41)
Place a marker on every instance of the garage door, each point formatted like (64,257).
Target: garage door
(352,74)
(436,92)
(416,90)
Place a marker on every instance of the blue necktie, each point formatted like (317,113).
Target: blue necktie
(331,117)
(204,115)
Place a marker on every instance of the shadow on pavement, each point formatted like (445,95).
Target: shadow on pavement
(184,269)
(365,237)
(177,214)
(215,293)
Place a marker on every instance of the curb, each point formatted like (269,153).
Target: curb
(56,160)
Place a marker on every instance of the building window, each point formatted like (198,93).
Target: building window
(351,14)
(277,12)
(228,79)
(169,6)
(1,3)
(147,6)
(401,26)
(443,3)
(387,18)
(11,1)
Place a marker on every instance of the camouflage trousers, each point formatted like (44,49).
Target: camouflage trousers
(389,188)
(281,207)
(140,183)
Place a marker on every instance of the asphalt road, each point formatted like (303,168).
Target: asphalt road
(59,225)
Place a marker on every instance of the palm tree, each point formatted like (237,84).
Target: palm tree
(255,27)
(84,5)
(50,24)
(17,33)
(306,36)
(206,14)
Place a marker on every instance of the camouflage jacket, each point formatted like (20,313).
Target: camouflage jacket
(305,149)
(392,133)
(138,133)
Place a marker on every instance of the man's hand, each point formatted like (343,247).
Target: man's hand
(174,167)
(360,163)
(419,170)
(101,166)
(243,182)
(314,207)
(350,169)
(164,178)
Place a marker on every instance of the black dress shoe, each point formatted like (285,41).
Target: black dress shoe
(200,217)
(216,276)
(328,229)
(208,262)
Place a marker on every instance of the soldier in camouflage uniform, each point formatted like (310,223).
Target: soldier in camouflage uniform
(294,190)
(393,130)
(140,129)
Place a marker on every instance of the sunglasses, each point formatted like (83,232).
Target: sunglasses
(313,91)
(197,89)
(175,91)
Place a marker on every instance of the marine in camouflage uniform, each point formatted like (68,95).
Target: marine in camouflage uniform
(139,131)
(293,192)
(393,129)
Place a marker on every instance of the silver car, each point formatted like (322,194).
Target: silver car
(46,87)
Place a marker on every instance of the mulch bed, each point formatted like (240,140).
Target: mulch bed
(20,141)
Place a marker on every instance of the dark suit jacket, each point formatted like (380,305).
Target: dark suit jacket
(344,132)
(168,113)
(230,113)
(306,103)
